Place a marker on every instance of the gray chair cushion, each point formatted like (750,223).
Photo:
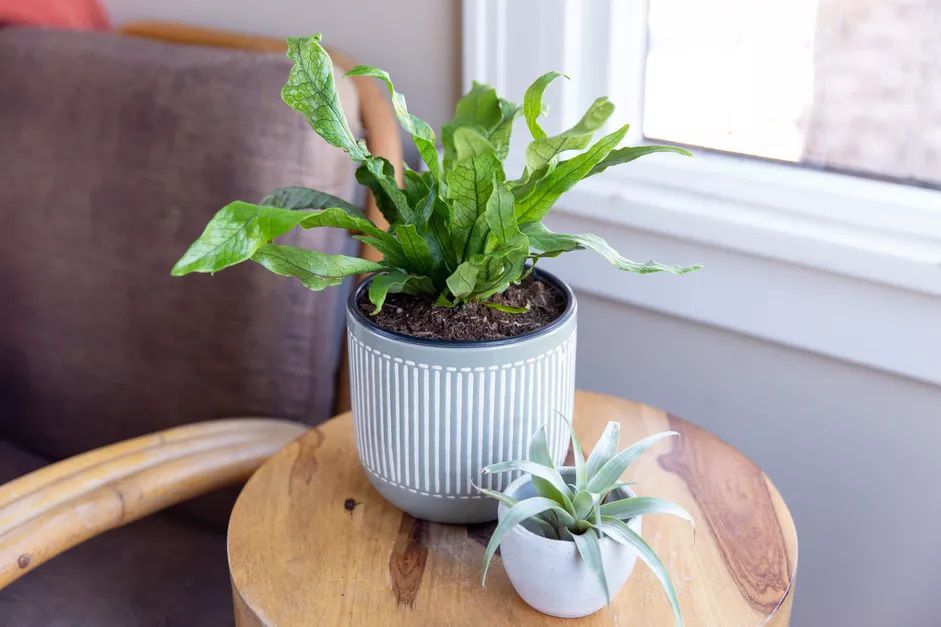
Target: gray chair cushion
(155,572)
(114,153)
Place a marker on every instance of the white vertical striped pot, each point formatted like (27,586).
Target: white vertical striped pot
(429,414)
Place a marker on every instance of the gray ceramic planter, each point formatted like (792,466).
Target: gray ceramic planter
(428,415)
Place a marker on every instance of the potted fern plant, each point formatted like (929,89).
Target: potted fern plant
(569,536)
(459,348)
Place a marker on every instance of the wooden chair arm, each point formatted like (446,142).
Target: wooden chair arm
(50,510)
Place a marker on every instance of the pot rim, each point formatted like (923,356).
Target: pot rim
(569,311)
(515,485)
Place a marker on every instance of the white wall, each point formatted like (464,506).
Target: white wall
(853,451)
(416,41)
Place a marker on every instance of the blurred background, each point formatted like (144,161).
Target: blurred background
(811,339)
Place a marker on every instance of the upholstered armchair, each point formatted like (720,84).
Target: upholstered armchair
(115,149)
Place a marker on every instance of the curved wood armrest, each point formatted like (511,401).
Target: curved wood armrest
(61,505)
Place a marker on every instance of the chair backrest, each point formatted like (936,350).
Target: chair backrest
(114,152)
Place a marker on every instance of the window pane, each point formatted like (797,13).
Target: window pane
(852,85)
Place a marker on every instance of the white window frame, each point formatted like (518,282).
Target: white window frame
(813,233)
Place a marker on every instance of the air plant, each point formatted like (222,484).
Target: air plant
(587,511)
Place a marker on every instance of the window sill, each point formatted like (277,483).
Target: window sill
(832,284)
(882,232)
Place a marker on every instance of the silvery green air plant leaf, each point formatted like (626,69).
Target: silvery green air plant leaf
(460,232)
(618,531)
(555,487)
(612,470)
(514,516)
(583,513)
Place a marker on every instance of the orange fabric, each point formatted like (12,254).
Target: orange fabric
(69,14)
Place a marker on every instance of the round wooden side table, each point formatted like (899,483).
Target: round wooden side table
(312,543)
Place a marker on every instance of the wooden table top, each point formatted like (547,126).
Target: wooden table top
(312,543)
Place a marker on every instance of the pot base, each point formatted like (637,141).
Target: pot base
(451,510)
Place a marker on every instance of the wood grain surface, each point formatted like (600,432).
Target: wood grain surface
(311,543)
(61,505)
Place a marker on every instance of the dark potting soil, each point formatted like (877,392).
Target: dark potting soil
(417,316)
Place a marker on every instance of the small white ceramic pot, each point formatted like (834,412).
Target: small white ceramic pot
(428,414)
(550,575)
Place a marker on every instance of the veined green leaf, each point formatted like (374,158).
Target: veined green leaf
(625,509)
(532,102)
(594,118)
(422,134)
(419,285)
(606,447)
(481,110)
(524,509)
(424,208)
(566,174)
(439,228)
(395,282)
(378,175)
(497,269)
(304,198)
(590,550)
(416,249)
(391,249)
(233,235)
(470,183)
(240,228)
(500,217)
(463,280)
(499,134)
(629,153)
(547,473)
(543,150)
(311,90)
(477,240)
(615,467)
(314,269)
(443,301)
(480,106)
(469,142)
(337,218)
(417,184)
(550,244)
(505,308)
(618,531)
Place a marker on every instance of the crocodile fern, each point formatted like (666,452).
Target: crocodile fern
(459,230)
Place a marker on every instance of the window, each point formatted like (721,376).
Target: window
(847,85)
(822,228)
